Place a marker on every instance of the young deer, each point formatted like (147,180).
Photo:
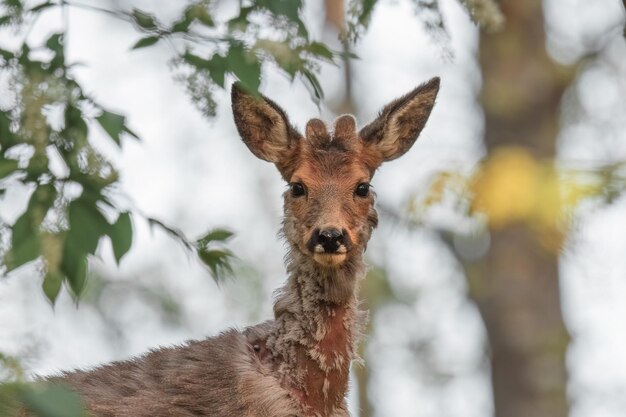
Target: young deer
(298,363)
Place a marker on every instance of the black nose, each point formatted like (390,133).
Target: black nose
(330,239)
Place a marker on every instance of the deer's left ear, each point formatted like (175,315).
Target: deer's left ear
(263,125)
(400,122)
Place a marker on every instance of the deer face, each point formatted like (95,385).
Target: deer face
(329,206)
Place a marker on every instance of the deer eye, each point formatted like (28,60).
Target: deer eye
(297,189)
(362,190)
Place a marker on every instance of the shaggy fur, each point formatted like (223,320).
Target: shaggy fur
(298,363)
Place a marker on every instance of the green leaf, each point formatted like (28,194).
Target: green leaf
(320,50)
(286,57)
(218,262)
(14,4)
(6,136)
(313,85)
(26,238)
(245,66)
(348,55)
(76,128)
(5,20)
(217,67)
(240,22)
(130,132)
(366,12)
(145,42)
(359,16)
(287,8)
(113,124)
(121,234)
(200,13)
(193,13)
(7,167)
(86,224)
(6,55)
(216,235)
(55,43)
(52,285)
(195,60)
(25,242)
(143,19)
(181,25)
(74,264)
(52,400)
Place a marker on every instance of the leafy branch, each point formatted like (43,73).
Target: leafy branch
(45,129)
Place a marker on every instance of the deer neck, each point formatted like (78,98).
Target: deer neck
(318,325)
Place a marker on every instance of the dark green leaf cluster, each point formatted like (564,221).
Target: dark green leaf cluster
(209,248)
(240,45)
(212,253)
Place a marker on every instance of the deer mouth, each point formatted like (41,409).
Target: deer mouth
(327,258)
(330,259)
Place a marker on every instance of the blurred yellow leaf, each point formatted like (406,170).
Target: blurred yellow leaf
(505,188)
(511,186)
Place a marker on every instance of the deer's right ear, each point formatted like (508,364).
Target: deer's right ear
(262,125)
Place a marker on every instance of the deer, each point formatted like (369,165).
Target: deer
(298,363)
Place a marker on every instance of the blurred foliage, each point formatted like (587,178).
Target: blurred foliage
(485,13)
(47,124)
(46,119)
(209,248)
(512,186)
(39,399)
(10,369)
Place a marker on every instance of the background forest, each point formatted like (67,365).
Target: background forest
(132,216)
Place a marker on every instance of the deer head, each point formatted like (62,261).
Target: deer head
(329,206)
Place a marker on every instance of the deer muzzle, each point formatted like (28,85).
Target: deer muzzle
(329,245)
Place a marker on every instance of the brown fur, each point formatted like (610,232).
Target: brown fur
(297,364)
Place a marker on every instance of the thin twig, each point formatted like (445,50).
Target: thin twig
(115,13)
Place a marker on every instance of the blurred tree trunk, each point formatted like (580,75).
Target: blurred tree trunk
(516,285)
